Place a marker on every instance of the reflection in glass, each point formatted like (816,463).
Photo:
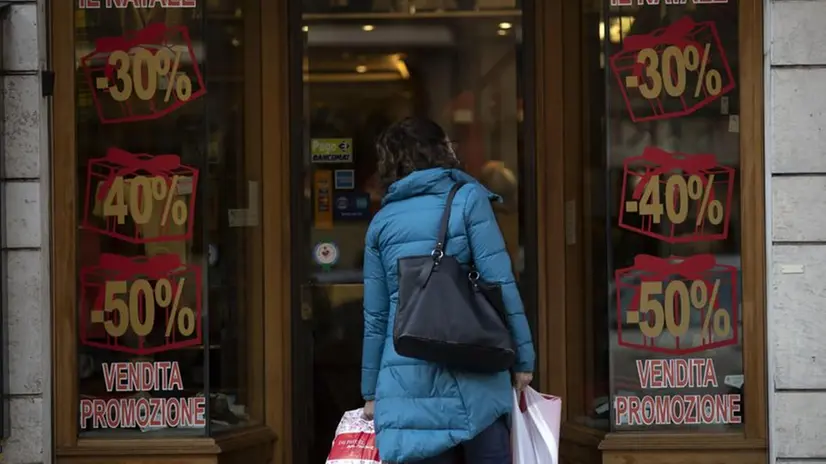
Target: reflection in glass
(365,65)
(170,292)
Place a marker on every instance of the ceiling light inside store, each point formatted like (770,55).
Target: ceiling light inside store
(305,28)
(401,66)
(367,27)
(505,25)
(361,69)
(618,28)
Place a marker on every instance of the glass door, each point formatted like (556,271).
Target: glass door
(360,65)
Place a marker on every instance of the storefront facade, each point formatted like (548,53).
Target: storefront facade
(186,197)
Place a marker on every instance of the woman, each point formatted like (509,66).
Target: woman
(425,413)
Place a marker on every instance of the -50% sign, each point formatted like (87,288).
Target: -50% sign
(675,315)
(669,72)
(141,72)
(135,306)
(678,192)
(136,197)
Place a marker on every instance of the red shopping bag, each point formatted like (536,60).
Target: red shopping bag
(355,441)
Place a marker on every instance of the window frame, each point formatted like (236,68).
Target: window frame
(568,324)
(257,442)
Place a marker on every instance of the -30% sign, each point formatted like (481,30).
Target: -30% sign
(653,317)
(678,192)
(669,72)
(136,198)
(124,302)
(141,72)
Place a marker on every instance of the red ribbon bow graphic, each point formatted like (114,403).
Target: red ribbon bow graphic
(154,267)
(666,162)
(675,33)
(130,163)
(691,267)
(151,34)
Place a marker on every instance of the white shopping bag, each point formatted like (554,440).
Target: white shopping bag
(535,427)
(355,441)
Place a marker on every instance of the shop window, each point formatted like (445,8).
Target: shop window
(663,226)
(170,315)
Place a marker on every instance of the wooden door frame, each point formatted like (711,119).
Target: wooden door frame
(548,148)
(550,138)
(275,56)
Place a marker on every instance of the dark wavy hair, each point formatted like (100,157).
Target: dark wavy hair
(412,144)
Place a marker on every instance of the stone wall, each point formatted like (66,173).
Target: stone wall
(797,296)
(25,164)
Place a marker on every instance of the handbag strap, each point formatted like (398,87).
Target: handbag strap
(439,251)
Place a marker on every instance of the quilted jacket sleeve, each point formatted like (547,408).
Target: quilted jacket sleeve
(376,310)
(494,265)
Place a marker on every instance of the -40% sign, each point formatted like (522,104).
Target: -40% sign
(653,317)
(126,302)
(140,73)
(669,72)
(678,192)
(135,197)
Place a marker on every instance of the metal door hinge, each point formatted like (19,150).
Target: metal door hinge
(47,83)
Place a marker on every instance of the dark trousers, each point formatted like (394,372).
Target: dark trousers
(491,446)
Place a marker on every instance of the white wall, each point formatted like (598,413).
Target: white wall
(796,137)
(25,162)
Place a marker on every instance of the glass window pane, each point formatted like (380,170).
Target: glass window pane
(170,292)
(367,64)
(672,222)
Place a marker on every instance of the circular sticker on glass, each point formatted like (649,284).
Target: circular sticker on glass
(325,254)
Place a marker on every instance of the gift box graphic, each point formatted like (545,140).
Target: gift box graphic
(143,76)
(141,198)
(677,305)
(673,71)
(145,304)
(676,197)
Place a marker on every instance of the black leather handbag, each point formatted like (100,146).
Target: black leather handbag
(447,314)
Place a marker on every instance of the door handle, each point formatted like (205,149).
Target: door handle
(306,302)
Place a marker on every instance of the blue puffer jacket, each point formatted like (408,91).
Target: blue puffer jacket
(423,409)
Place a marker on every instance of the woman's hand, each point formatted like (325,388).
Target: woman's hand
(522,380)
(369,409)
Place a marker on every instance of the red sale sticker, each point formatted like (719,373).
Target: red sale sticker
(676,197)
(677,305)
(143,76)
(145,305)
(672,71)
